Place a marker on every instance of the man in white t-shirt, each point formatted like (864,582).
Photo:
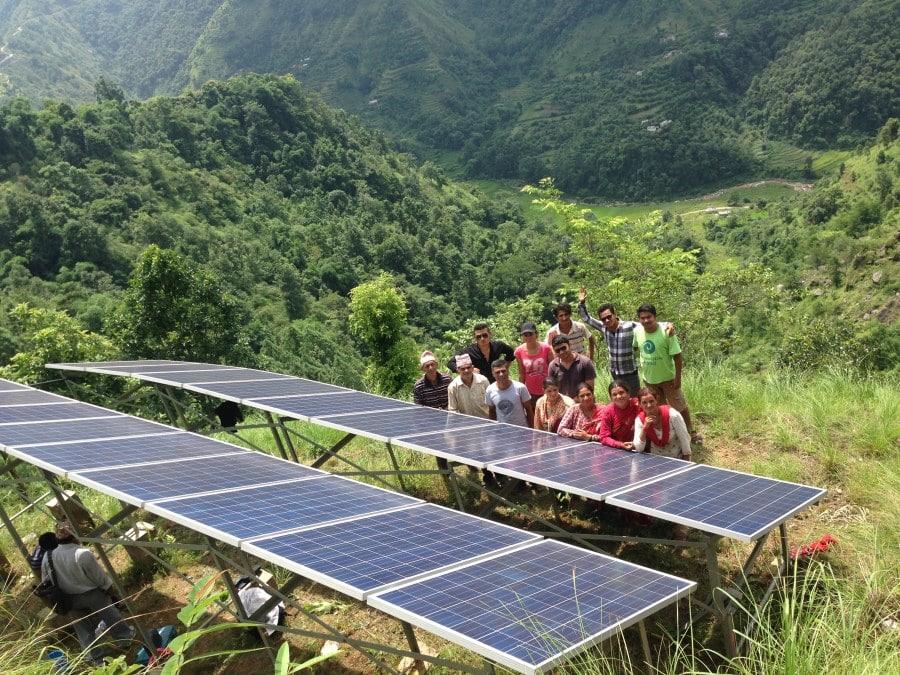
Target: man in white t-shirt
(508,400)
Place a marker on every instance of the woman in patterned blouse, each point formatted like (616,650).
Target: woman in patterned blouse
(582,421)
(551,407)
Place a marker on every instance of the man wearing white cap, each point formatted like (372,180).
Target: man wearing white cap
(77,572)
(430,390)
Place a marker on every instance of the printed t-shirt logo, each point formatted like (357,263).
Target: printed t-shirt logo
(649,347)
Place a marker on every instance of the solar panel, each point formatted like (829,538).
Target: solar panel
(174,367)
(590,469)
(487,443)
(530,608)
(248,391)
(114,425)
(25,396)
(50,411)
(363,555)
(182,377)
(93,454)
(393,424)
(720,501)
(259,511)
(6,385)
(157,480)
(113,367)
(345,402)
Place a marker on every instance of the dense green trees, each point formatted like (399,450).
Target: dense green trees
(378,318)
(174,310)
(237,211)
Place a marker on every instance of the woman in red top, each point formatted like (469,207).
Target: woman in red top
(582,421)
(617,420)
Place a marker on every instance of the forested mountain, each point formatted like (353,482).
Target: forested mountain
(286,203)
(618,99)
(231,223)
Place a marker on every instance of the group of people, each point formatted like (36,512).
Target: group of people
(555,387)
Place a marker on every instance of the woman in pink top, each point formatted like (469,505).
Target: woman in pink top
(534,360)
(617,420)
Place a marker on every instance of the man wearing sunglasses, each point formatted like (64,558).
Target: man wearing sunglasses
(570,369)
(619,337)
(484,352)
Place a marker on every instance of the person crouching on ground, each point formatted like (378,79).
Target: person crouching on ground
(551,407)
(80,576)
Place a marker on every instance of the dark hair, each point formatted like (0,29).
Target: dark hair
(481,325)
(649,389)
(550,382)
(647,308)
(564,307)
(499,363)
(615,384)
(605,306)
(560,340)
(584,385)
(48,541)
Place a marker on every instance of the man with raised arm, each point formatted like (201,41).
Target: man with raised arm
(619,337)
(484,352)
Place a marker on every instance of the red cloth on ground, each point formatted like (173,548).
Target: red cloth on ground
(810,550)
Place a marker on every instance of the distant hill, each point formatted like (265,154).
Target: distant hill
(623,99)
(288,202)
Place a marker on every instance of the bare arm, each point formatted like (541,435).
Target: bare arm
(679,363)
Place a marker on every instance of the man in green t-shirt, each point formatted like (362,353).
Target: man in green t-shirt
(661,363)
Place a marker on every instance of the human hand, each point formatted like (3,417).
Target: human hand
(628,445)
(670,329)
(582,294)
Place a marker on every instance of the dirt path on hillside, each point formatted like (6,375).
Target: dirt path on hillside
(796,185)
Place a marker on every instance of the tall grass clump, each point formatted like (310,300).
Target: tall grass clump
(821,622)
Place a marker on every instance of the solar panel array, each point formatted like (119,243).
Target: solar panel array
(410,559)
(716,501)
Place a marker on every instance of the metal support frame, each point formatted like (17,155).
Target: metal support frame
(718,604)
(225,563)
